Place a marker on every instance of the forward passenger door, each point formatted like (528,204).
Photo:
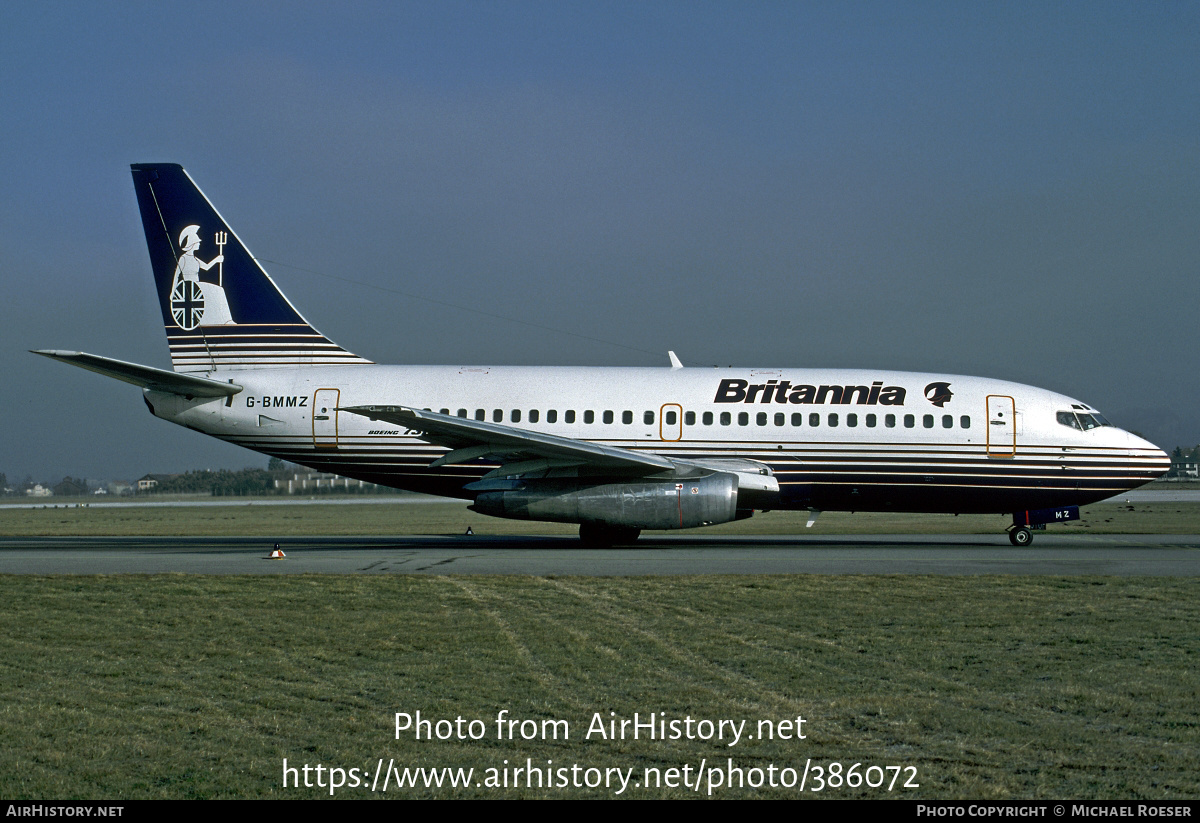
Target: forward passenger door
(1002,426)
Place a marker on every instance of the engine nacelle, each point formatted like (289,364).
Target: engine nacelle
(637,504)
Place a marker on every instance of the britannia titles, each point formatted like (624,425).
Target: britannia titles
(733,390)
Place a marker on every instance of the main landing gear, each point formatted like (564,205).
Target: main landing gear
(604,536)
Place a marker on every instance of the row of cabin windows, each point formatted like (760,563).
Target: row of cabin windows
(670,418)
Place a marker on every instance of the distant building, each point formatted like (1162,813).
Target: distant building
(1184,467)
(70,487)
(308,482)
(150,481)
(38,490)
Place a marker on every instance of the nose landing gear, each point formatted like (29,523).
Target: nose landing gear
(1020,533)
(1020,536)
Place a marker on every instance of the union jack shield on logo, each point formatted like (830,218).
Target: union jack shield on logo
(187,304)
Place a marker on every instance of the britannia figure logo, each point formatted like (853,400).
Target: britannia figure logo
(196,302)
(938,394)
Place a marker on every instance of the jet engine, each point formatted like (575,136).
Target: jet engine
(634,504)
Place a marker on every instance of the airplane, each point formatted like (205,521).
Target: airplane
(615,450)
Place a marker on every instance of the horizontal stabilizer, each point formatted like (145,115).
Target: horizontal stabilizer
(148,378)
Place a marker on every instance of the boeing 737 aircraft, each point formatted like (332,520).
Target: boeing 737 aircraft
(616,450)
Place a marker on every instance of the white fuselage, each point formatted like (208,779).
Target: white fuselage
(856,440)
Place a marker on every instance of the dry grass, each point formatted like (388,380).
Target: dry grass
(1001,687)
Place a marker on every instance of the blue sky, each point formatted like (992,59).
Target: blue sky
(1010,190)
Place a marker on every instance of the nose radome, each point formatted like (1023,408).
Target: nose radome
(1144,449)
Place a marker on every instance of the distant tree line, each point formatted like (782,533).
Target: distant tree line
(221,483)
(250,481)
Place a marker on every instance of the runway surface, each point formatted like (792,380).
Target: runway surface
(1124,555)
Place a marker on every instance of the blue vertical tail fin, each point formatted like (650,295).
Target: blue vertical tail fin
(220,308)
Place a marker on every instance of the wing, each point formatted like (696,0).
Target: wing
(518,450)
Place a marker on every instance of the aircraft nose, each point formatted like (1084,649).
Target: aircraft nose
(1155,459)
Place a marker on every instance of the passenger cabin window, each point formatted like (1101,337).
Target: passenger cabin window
(780,418)
(515,416)
(569,416)
(870,421)
(533,415)
(608,416)
(947,421)
(760,419)
(797,419)
(689,418)
(497,415)
(444,411)
(965,422)
(480,414)
(890,421)
(814,419)
(927,421)
(589,417)
(743,418)
(670,417)
(909,421)
(726,418)
(852,420)
(462,413)
(626,417)
(833,419)
(552,416)
(648,418)
(706,418)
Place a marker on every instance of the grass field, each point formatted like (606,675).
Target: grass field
(453,518)
(1001,687)
(990,687)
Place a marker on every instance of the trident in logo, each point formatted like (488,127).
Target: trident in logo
(220,239)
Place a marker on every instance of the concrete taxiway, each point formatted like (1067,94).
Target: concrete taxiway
(1124,555)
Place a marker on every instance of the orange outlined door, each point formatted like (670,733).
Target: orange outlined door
(1001,426)
(670,422)
(325,418)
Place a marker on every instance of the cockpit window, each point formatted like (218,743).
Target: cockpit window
(1082,420)
(1068,419)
